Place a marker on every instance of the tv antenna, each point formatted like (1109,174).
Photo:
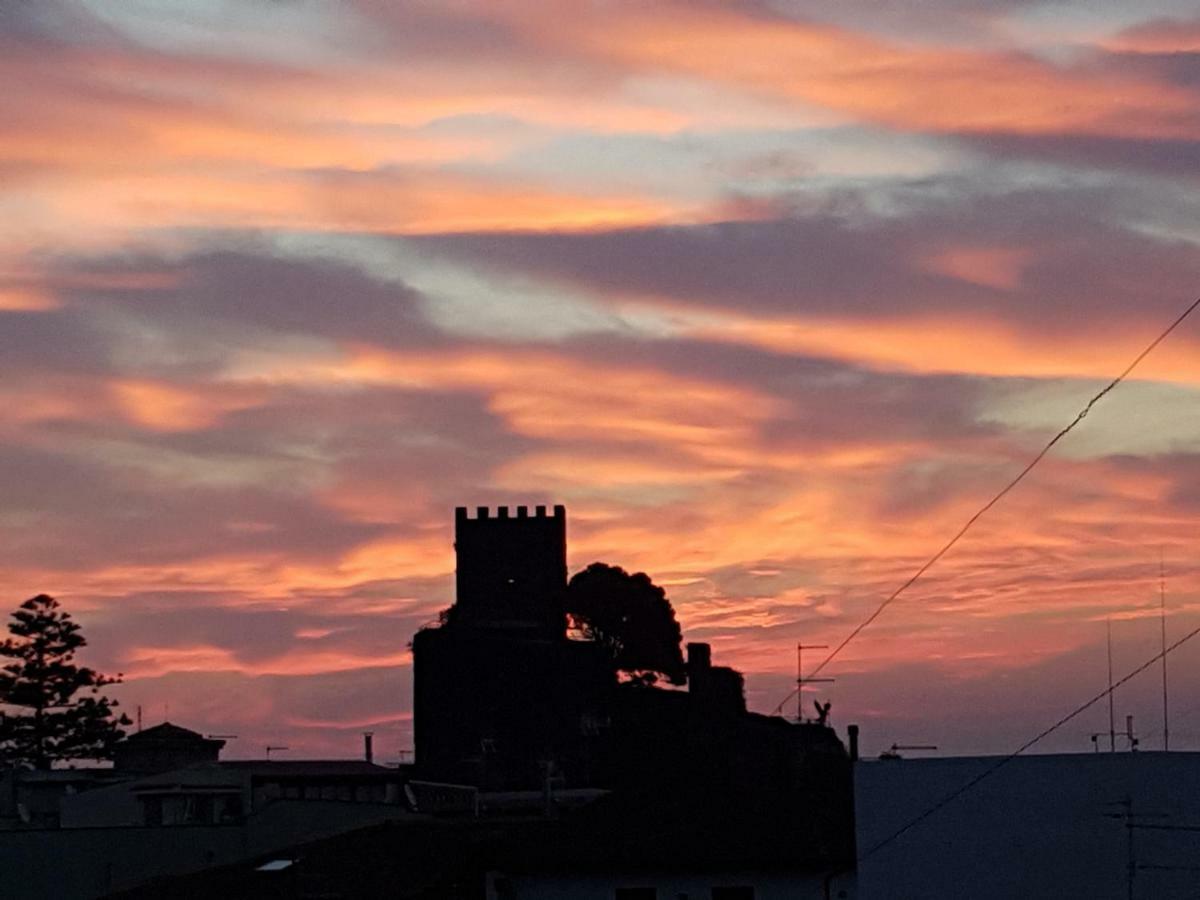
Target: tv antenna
(271,747)
(1132,738)
(801,681)
(1162,621)
(1112,727)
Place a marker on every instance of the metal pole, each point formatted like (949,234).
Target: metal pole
(1112,725)
(801,680)
(1162,619)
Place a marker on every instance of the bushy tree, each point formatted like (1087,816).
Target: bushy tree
(631,616)
(45,718)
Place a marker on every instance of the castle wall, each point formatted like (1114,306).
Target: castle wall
(490,708)
(512,570)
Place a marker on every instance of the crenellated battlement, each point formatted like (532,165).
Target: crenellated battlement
(484,513)
(512,567)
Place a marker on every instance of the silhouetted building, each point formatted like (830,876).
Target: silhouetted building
(226,793)
(76,834)
(600,852)
(33,798)
(715,691)
(162,748)
(504,699)
(501,697)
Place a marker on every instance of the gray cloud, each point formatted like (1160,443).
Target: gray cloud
(244,289)
(1085,268)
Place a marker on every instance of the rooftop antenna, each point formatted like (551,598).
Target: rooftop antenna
(801,681)
(1133,741)
(221,737)
(1162,621)
(1112,726)
(271,747)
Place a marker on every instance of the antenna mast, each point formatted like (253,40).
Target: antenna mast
(1162,620)
(801,681)
(1112,725)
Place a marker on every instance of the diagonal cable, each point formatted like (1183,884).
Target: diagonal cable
(1005,760)
(1082,414)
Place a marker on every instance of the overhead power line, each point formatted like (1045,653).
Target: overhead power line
(1080,416)
(1005,760)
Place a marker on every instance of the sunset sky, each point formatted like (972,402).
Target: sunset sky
(771,294)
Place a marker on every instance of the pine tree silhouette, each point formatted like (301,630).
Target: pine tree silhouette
(44,680)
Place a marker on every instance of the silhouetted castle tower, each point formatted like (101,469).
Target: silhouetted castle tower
(512,571)
(498,690)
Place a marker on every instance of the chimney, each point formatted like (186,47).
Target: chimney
(699,658)
(368,752)
(852,732)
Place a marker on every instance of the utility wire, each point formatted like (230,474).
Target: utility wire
(1004,761)
(987,506)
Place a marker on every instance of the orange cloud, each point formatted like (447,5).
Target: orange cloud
(178,142)
(412,202)
(959,344)
(166,407)
(548,396)
(31,400)
(909,87)
(26,298)
(996,267)
(149,662)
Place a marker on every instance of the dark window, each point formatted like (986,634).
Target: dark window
(636,893)
(738,892)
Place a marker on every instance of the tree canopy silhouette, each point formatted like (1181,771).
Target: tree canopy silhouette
(631,616)
(43,680)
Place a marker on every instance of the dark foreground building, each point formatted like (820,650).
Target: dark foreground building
(506,700)
(501,698)
(602,852)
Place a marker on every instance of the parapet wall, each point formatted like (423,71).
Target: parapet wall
(484,514)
